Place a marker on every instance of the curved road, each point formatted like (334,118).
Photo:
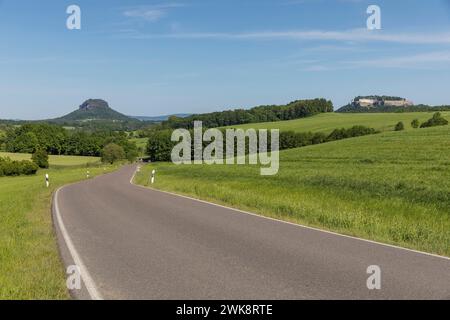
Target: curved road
(136,243)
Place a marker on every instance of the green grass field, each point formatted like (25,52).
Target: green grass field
(55,161)
(327,122)
(393,187)
(30,267)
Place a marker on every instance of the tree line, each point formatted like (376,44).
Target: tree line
(159,146)
(351,108)
(294,110)
(56,140)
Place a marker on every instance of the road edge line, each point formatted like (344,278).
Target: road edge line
(86,277)
(291,223)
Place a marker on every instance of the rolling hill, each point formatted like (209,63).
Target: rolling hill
(94,109)
(327,122)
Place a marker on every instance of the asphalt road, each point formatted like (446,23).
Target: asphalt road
(137,243)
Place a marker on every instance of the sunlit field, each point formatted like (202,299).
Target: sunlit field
(30,267)
(55,160)
(392,187)
(327,122)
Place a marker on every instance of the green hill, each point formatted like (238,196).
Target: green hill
(327,122)
(94,109)
(392,187)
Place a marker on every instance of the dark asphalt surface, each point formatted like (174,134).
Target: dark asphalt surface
(139,243)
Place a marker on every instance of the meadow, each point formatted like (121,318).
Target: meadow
(30,267)
(55,161)
(392,187)
(327,122)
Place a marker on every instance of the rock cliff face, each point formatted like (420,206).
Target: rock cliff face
(376,103)
(92,104)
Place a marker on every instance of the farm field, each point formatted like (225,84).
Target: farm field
(392,187)
(327,122)
(30,267)
(55,160)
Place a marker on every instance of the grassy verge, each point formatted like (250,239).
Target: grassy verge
(30,267)
(393,187)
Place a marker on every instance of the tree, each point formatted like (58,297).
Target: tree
(25,143)
(415,123)
(159,146)
(112,153)
(436,120)
(2,139)
(131,151)
(40,158)
(399,126)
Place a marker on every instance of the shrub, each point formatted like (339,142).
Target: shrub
(399,126)
(16,168)
(415,123)
(28,167)
(112,153)
(159,146)
(355,131)
(40,158)
(436,120)
(319,137)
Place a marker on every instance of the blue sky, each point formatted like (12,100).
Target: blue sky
(163,57)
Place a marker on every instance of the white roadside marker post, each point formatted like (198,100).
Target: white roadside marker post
(153,176)
(47,182)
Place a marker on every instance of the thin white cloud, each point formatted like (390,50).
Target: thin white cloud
(429,59)
(151,13)
(354,35)
(423,61)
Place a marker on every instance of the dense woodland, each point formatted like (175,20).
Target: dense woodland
(294,110)
(57,140)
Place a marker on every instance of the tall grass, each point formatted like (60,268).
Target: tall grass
(30,267)
(393,187)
